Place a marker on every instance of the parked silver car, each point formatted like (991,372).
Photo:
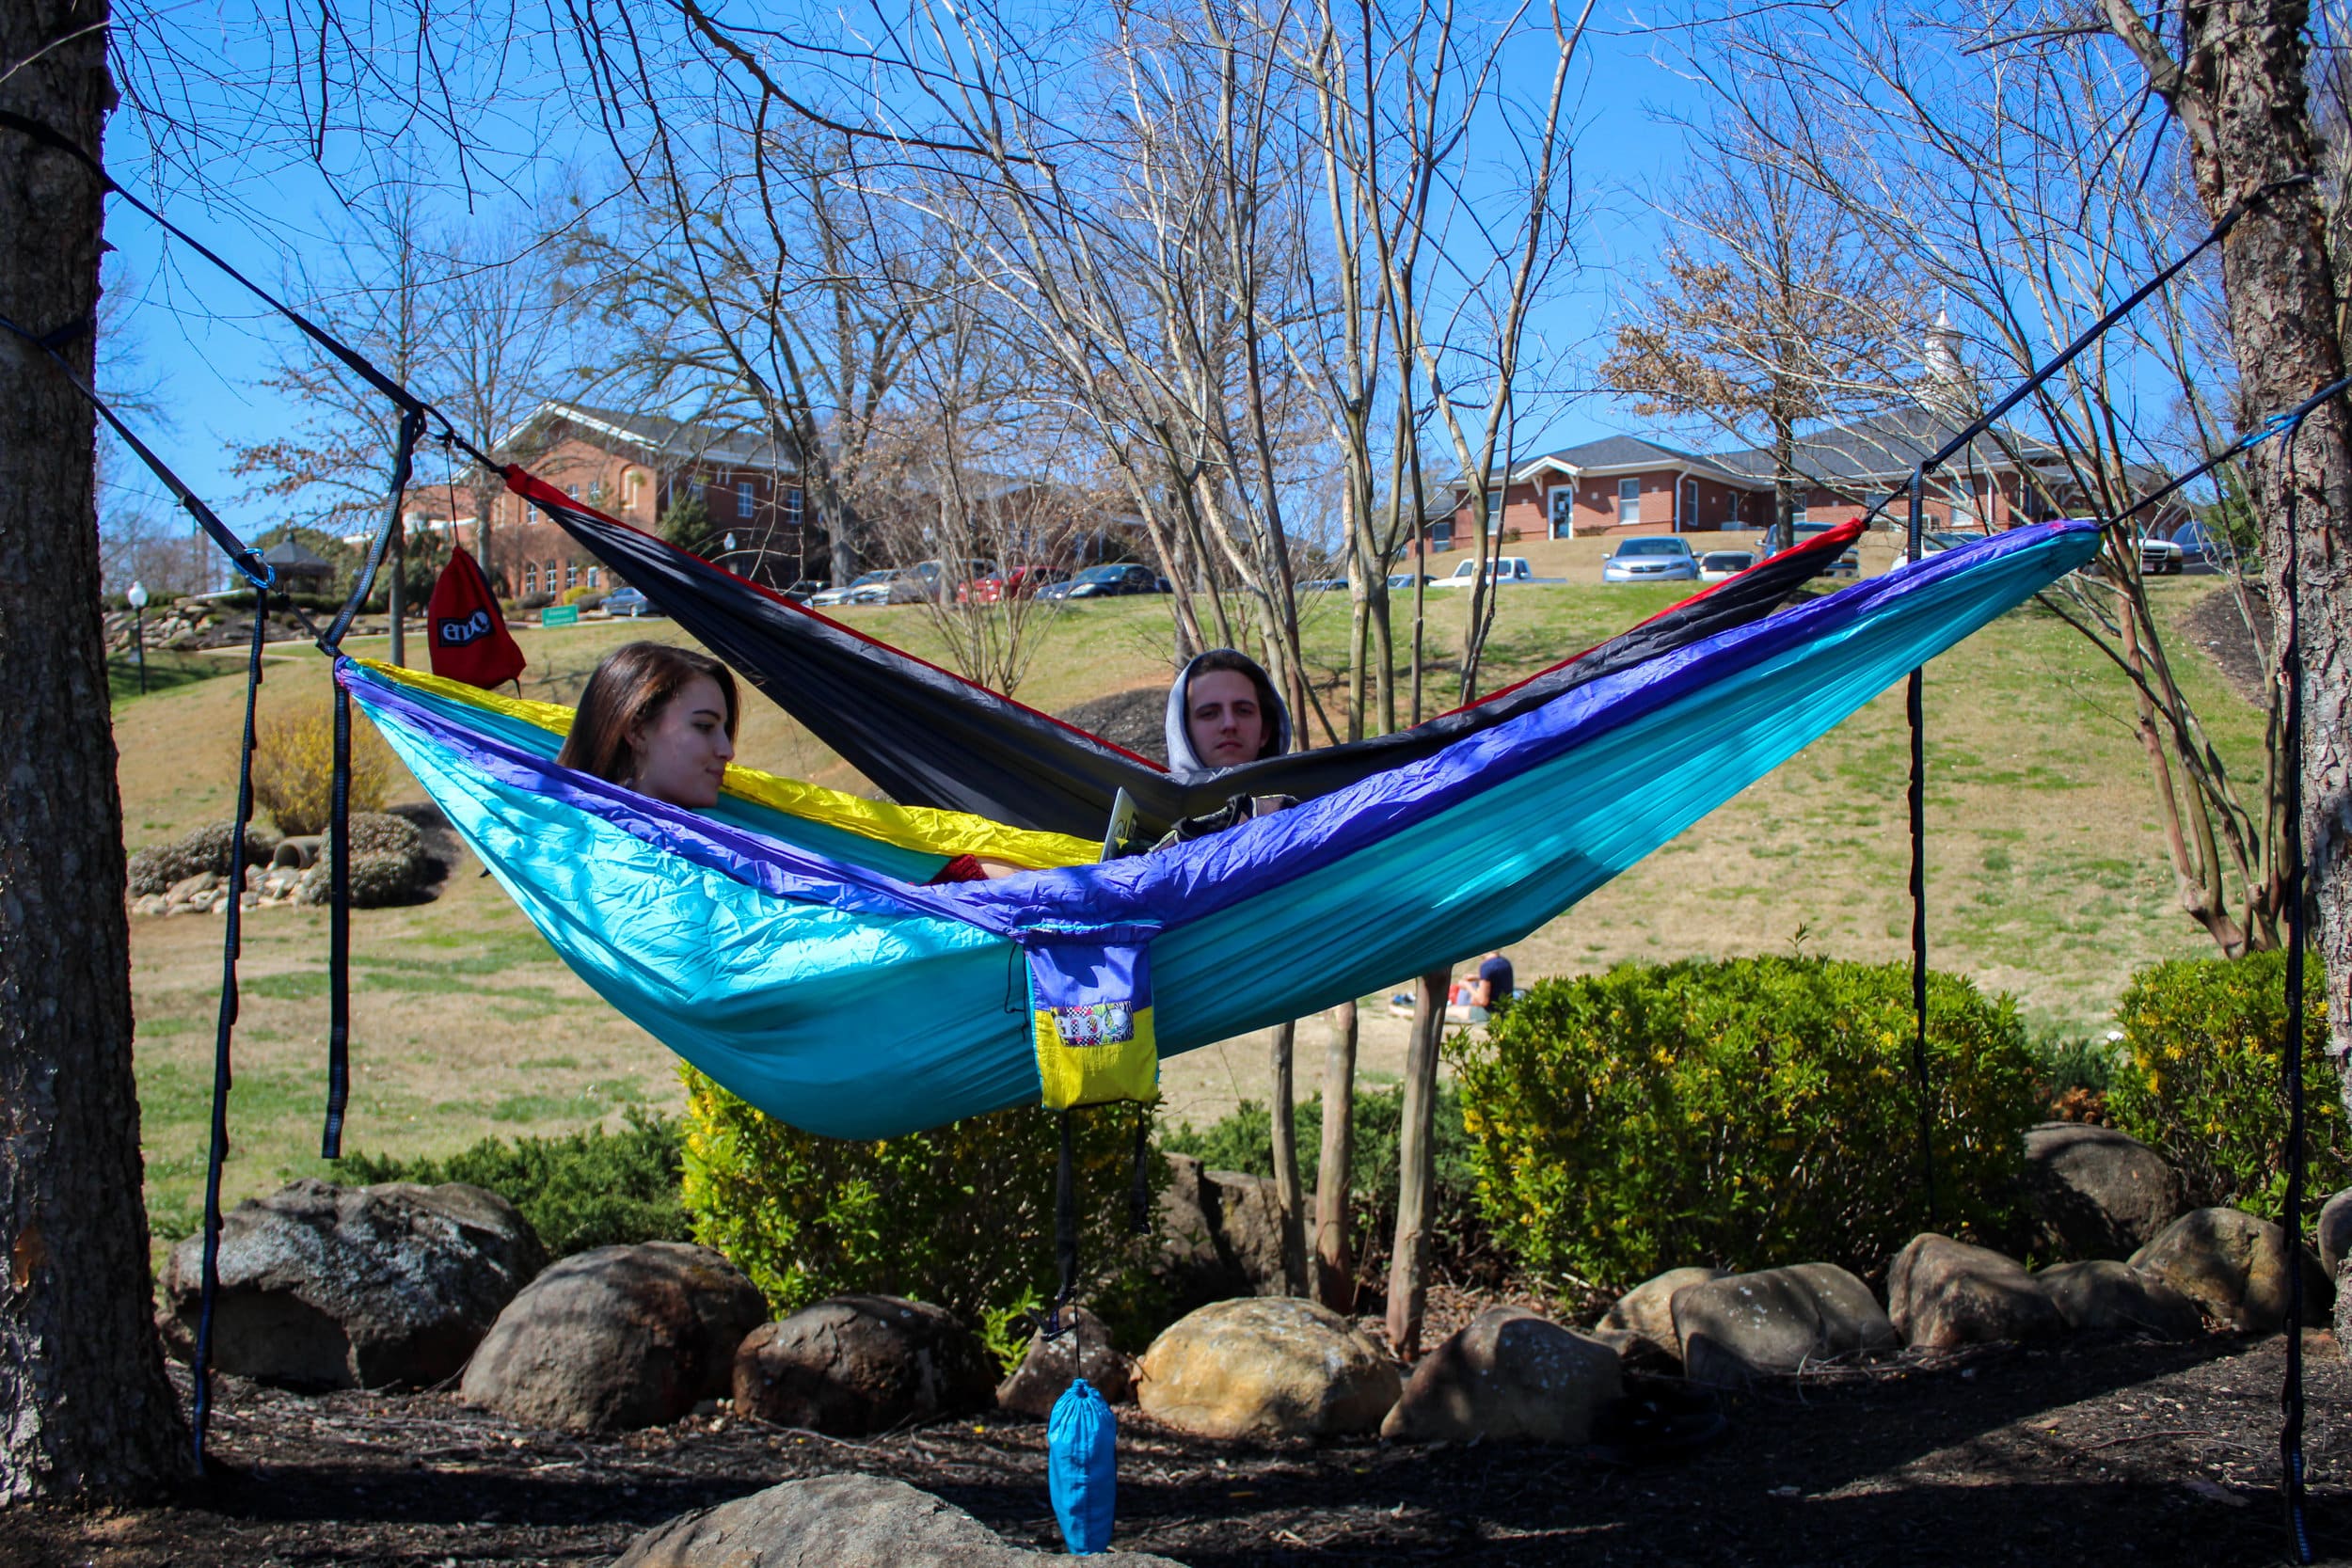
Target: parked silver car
(1652,558)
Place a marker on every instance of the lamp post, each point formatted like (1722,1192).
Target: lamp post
(137,595)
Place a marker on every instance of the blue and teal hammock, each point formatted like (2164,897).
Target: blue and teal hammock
(787,945)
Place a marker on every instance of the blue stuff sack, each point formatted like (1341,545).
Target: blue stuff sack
(1082,1467)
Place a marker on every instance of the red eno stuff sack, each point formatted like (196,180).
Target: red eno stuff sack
(471,643)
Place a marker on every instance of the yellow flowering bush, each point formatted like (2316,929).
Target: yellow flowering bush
(2202,1081)
(293,769)
(1745,1113)
(960,1216)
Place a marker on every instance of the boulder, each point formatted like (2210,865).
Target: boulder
(1083,1350)
(844,1521)
(1266,1367)
(328,1287)
(1509,1376)
(1220,1235)
(1941,1294)
(2104,1296)
(2234,1265)
(1744,1325)
(2333,1234)
(615,1337)
(2095,1192)
(859,1364)
(1642,1318)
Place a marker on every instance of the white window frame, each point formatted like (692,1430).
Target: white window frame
(1556,514)
(745,499)
(1623,495)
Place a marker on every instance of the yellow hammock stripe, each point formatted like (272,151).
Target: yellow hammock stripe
(918,827)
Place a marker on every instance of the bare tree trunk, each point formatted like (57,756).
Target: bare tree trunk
(1284,1040)
(1335,1272)
(1416,1166)
(2239,91)
(84,1409)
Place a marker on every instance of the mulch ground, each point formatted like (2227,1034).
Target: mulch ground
(2090,1452)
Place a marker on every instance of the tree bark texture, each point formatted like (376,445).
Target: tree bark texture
(85,1408)
(1284,1042)
(1335,1271)
(2238,89)
(1416,1166)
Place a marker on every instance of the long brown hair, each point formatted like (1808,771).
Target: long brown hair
(630,686)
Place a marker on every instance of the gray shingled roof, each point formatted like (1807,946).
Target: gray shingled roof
(1627,451)
(675,440)
(1884,448)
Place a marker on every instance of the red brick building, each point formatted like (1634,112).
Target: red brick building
(636,467)
(1625,484)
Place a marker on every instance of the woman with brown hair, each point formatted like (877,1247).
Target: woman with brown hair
(661,720)
(657,719)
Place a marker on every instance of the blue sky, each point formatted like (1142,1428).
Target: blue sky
(200,348)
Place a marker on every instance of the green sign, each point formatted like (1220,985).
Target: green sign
(560,615)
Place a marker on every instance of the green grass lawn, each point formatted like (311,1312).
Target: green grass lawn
(2047,876)
(166,670)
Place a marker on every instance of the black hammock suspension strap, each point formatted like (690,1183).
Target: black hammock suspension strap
(234,914)
(1914,709)
(339,807)
(1065,1231)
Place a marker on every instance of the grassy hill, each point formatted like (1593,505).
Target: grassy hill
(2047,879)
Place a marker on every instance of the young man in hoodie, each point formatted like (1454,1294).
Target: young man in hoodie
(1223,712)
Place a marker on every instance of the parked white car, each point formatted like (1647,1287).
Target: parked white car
(1719,566)
(2160,557)
(865,588)
(1509,568)
(1652,558)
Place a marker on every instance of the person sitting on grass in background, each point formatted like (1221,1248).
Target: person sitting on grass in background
(1491,993)
(661,720)
(1223,712)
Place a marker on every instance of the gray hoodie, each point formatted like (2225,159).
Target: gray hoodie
(1181,760)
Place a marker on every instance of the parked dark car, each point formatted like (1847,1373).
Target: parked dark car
(1107,582)
(628,603)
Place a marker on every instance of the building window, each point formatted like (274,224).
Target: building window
(793,507)
(530,576)
(595,493)
(571,574)
(1441,535)
(743,498)
(591,577)
(572,490)
(550,577)
(1629,500)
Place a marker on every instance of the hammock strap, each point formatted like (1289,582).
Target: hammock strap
(233,930)
(1064,1232)
(1914,708)
(339,808)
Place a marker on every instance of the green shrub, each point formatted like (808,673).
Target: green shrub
(2200,1082)
(588,1189)
(962,1215)
(1746,1112)
(154,868)
(2077,1062)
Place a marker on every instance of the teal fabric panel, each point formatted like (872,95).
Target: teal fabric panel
(891,860)
(849,1025)
(1481,876)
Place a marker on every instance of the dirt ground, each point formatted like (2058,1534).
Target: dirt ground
(2105,1451)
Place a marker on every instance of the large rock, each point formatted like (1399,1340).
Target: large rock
(847,1521)
(859,1364)
(1735,1329)
(2234,1265)
(1084,1349)
(2101,1295)
(1266,1367)
(1644,1317)
(1942,1294)
(2095,1192)
(328,1287)
(1220,1235)
(1508,1376)
(617,1337)
(2333,1234)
